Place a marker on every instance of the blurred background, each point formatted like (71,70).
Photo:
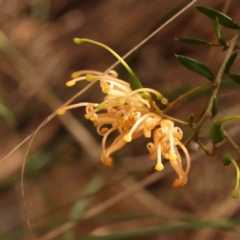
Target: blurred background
(69,193)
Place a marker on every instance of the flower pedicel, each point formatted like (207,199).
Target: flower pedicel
(130,111)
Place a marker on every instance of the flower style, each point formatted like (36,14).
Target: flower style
(132,114)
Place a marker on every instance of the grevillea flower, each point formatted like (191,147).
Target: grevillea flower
(132,114)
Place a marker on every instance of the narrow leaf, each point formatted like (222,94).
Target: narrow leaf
(235,77)
(230,62)
(190,119)
(214,107)
(217,28)
(218,33)
(195,41)
(223,42)
(216,133)
(143,232)
(81,204)
(223,19)
(196,66)
(7,114)
(135,82)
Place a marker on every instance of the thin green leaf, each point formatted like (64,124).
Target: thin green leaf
(216,133)
(196,66)
(223,19)
(218,33)
(7,114)
(81,204)
(230,62)
(135,82)
(223,42)
(235,77)
(214,107)
(190,119)
(195,41)
(222,224)
(217,29)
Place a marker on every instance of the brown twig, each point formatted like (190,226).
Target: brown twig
(152,34)
(232,142)
(185,96)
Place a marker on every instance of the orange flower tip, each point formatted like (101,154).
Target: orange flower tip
(70,83)
(159,167)
(108,162)
(75,74)
(78,40)
(101,106)
(103,130)
(127,138)
(172,156)
(234,194)
(164,101)
(60,111)
(90,77)
(179,182)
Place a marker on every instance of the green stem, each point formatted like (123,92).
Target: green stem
(203,147)
(134,81)
(159,112)
(230,140)
(229,118)
(234,193)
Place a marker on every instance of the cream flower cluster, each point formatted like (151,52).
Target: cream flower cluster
(132,114)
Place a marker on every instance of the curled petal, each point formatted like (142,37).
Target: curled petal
(179,182)
(137,126)
(152,150)
(167,123)
(113,74)
(177,132)
(105,158)
(116,145)
(147,133)
(102,130)
(187,157)
(182,180)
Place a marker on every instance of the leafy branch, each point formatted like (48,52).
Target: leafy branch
(207,113)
